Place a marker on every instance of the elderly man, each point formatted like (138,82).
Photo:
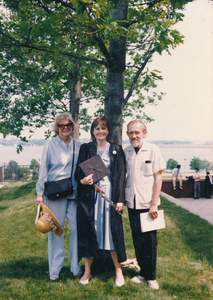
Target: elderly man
(144,180)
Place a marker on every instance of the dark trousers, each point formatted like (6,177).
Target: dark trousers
(208,190)
(145,245)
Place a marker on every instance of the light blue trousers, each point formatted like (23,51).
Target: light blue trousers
(63,208)
(197,189)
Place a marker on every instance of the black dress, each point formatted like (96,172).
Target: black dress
(208,187)
(87,242)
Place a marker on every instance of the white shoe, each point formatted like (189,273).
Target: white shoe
(153,284)
(85,281)
(138,279)
(54,278)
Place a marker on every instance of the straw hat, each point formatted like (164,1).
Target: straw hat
(46,221)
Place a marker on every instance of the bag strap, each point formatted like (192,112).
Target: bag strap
(73,157)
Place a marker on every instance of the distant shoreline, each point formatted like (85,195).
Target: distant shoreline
(184,146)
(161,144)
(182,153)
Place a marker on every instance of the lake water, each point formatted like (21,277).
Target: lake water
(182,155)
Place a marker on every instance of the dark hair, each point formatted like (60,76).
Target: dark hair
(178,166)
(197,169)
(96,122)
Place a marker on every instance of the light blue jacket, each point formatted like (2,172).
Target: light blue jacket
(56,163)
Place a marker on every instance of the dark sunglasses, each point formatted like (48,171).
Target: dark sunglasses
(62,126)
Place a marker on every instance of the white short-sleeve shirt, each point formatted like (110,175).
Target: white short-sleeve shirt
(141,168)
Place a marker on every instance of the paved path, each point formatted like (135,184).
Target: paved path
(201,207)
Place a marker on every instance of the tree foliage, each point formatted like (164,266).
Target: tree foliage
(11,171)
(171,164)
(200,164)
(54,55)
(207,165)
(34,166)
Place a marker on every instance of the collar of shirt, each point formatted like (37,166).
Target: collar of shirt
(144,147)
(63,144)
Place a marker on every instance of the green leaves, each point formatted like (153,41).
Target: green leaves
(171,164)
(196,162)
(47,46)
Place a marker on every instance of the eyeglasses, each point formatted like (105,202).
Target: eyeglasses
(131,133)
(62,126)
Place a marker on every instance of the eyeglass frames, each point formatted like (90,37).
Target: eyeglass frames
(62,126)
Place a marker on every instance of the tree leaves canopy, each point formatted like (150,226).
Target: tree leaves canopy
(45,45)
(196,162)
(171,164)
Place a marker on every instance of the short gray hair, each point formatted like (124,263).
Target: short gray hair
(61,117)
(137,120)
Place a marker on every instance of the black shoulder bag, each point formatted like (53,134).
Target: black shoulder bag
(61,188)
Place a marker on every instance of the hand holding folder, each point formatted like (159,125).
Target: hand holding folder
(149,224)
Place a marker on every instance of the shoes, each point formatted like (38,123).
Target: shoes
(153,284)
(137,279)
(181,187)
(174,188)
(120,283)
(54,278)
(84,282)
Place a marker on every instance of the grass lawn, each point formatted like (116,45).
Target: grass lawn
(184,267)
(168,174)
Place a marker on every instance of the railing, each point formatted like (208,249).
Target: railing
(18,173)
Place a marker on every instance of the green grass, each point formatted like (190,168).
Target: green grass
(187,239)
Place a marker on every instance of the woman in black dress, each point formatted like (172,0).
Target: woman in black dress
(99,223)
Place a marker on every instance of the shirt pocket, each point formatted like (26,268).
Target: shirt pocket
(147,168)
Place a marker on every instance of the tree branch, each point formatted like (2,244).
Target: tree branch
(137,76)
(152,3)
(25,45)
(101,45)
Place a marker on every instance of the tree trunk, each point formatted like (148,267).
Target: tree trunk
(114,103)
(75,102)
(114,97)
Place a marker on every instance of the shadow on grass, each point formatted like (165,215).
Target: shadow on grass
(37,269)
(3,207)
(33,267)
(196,232)
(8,193)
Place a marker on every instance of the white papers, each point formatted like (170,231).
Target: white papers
(148,224)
